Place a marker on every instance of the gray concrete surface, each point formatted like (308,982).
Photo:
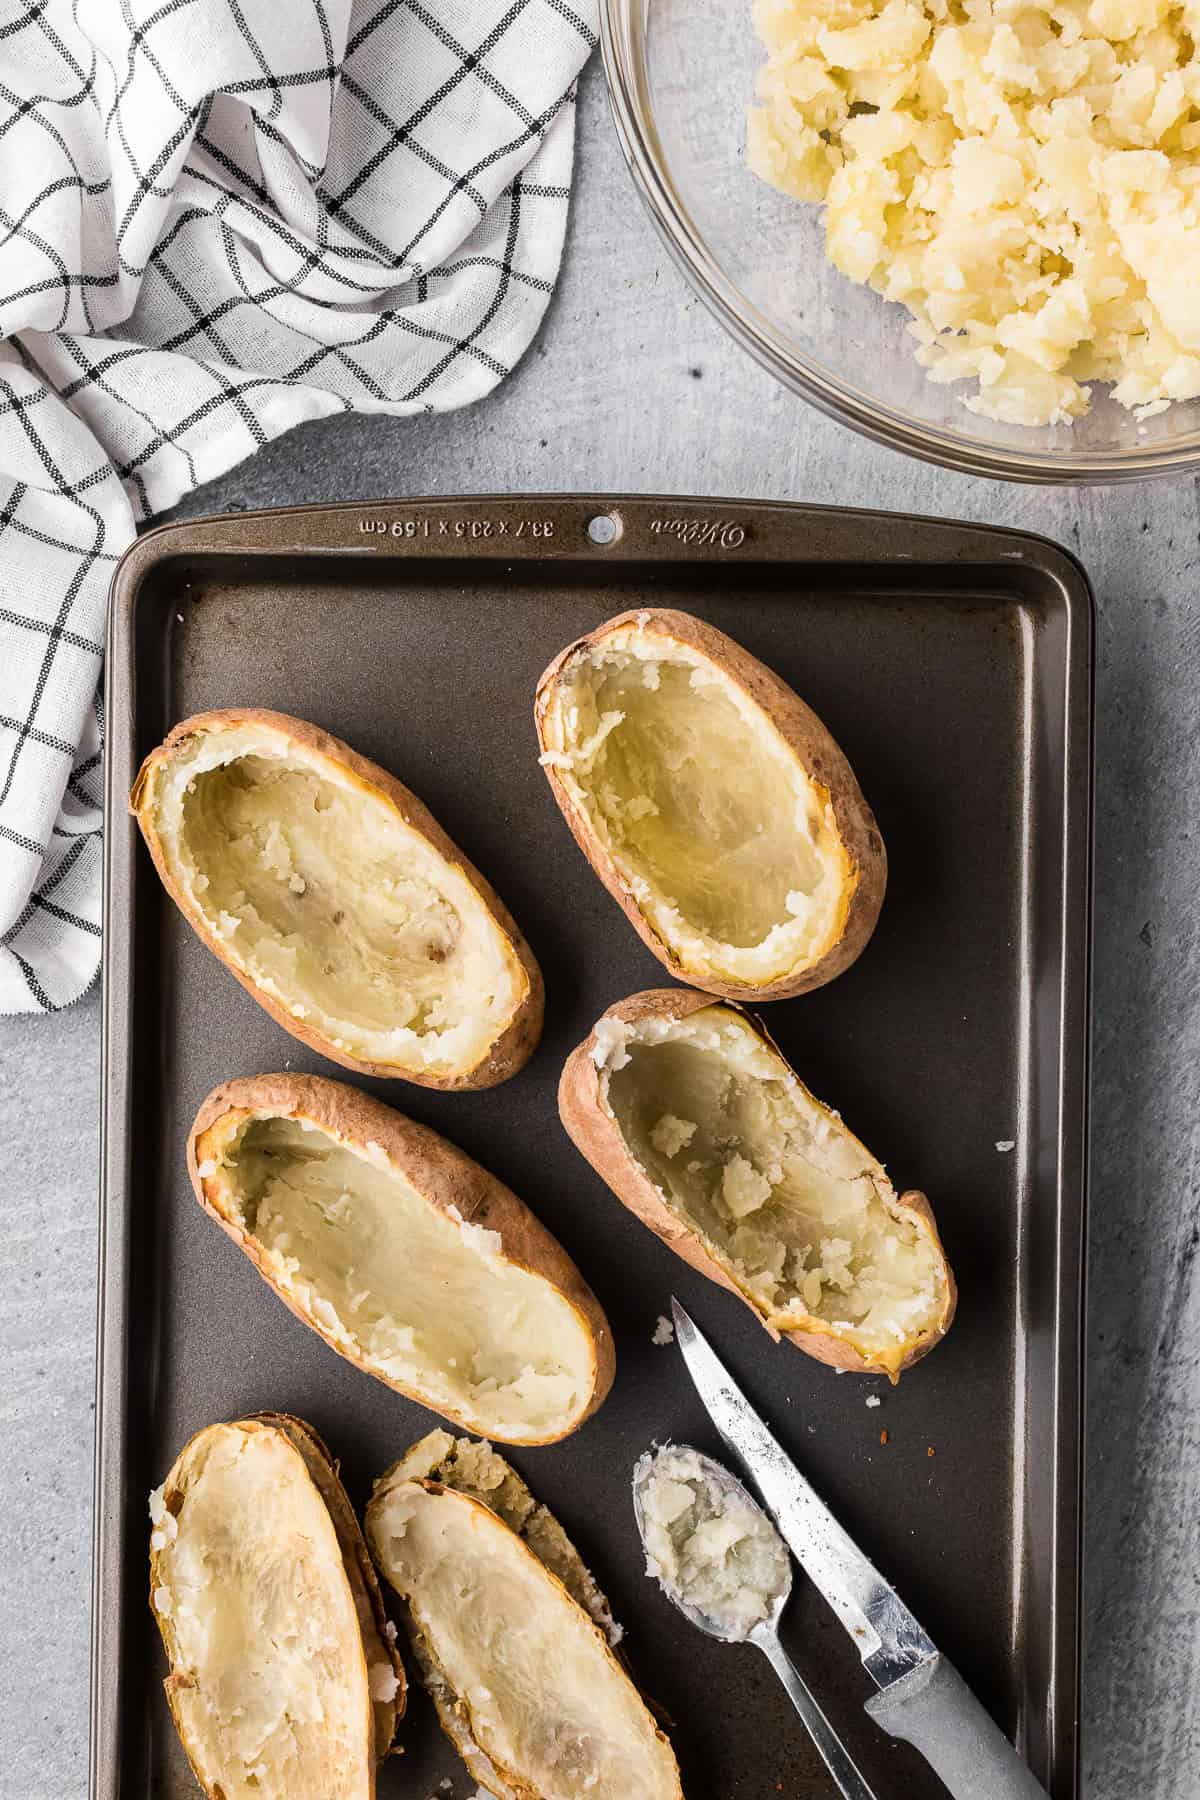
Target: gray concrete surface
(633,386)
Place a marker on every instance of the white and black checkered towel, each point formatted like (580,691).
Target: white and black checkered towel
(218,218)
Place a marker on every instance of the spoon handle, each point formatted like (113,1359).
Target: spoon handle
(836,1756)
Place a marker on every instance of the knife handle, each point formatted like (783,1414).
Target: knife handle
(933,1708)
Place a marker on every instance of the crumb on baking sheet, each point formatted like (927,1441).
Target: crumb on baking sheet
(1006,1144)
(664,1332)
(873,1400)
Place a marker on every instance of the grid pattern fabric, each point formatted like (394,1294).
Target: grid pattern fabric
(219,218)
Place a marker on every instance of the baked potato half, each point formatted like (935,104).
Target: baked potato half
(385,1671)
(690,1113)
(282,1676)
(510,1633)
(409,1259)
(338,901)
(713,805)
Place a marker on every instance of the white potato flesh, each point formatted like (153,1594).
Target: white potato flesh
(729,849)
(546,1701)
(476,1470)
(326,899)
(706,1541)
(778,1190)
(1020,175)
(414,1294)
(271,1685)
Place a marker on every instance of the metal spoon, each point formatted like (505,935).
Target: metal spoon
(765,1635)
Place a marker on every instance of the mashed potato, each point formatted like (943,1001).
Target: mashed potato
(1022,175)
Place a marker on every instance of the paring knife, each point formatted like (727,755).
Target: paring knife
(922,1697)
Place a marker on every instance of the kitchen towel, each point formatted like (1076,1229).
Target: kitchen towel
(219,218)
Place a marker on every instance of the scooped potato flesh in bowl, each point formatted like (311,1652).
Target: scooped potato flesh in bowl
(698,1123)
(689,774)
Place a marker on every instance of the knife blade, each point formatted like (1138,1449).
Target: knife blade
(888,1637)
(922,1697)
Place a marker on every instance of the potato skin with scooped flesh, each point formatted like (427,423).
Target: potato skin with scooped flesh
(387,1240)
(526,1684)
(281,1676)
(302,919)
(644,1183)
(677,757)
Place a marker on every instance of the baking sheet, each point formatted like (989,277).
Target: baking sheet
(953,665)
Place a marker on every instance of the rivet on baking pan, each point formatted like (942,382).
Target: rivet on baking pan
(604,529)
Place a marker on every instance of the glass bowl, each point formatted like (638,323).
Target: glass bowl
(681,76)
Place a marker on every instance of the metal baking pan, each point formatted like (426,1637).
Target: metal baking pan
(954,665)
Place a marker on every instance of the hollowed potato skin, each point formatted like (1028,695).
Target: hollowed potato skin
(597,1136)
(359,1570)
(817,754)
(452,1715)
(442,1174)
(506,1054)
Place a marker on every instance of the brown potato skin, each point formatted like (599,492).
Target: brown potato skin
(444,1175)
(312,1452)
(817,753)
(597,1137)
(516,1044)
